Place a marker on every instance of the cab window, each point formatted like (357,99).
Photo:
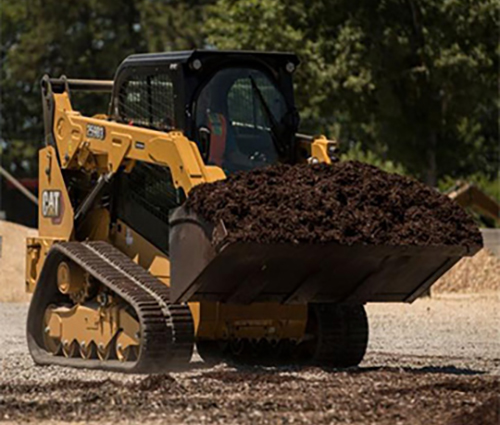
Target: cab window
(236,110)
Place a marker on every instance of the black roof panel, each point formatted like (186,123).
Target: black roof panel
(187,55)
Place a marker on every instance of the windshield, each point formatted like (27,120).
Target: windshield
(240,108)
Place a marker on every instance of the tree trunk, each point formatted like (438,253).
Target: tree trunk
(431,171)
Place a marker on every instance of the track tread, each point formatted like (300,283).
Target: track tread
(342,334)
(167,331)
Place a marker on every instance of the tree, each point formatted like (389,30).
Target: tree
(80,39)
(174,25)
(83,39)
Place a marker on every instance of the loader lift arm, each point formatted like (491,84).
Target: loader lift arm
(112,145)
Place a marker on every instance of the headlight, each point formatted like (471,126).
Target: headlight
(196,64)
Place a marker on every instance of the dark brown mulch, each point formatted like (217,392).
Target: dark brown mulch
(258,396)
(347,203)
(487,413)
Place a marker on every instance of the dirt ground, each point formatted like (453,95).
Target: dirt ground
(434,362)
(12,261)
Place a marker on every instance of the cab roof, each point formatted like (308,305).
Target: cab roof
(186,56)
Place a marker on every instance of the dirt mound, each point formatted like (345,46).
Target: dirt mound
(480,273)
(12,261)
(347,203)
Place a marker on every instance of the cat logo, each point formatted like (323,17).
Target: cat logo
(51,203)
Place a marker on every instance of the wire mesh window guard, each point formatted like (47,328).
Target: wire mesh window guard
(152,187)
(148,101)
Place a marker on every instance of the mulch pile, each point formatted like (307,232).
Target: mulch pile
(477,274)
(348,202)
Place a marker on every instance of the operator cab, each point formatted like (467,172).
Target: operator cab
(237,106)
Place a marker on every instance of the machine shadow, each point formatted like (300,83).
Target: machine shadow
(273,369)
(448,369)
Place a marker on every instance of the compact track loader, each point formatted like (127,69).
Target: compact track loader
(124,278)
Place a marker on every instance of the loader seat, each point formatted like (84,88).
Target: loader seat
(217,124)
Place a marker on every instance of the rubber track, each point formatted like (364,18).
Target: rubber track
(167,332)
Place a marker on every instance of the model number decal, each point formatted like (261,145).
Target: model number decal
(51,203)
(95,131)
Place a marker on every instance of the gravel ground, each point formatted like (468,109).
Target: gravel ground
(434,362)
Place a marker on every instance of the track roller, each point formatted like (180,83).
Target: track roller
(70,349)
(88,351)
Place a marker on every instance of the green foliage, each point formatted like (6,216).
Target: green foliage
(357,153)
(173,25)
(18,157)
(82,38)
